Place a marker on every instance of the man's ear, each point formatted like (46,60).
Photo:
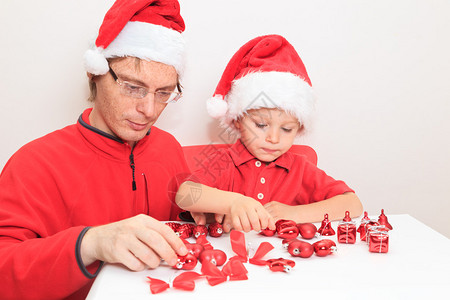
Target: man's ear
(90,75)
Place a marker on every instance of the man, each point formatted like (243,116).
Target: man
(94,191)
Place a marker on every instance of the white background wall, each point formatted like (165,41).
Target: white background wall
(380,70)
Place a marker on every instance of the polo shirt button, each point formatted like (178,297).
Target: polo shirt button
(263,180)
(258,163)
(260,196)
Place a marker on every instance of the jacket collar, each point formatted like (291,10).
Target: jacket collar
(240,155)
(105,143)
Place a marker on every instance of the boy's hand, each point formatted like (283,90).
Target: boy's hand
(280,211)
(246,214)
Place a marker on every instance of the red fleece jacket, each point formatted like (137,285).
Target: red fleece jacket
(56,186)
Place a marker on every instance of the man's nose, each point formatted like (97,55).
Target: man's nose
(147,105)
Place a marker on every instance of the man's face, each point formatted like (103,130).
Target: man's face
(123,116)
(267,133)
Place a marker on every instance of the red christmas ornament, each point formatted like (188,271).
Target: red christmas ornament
(300,249)
(379,241)
(285,243)
(324,247)
(362,226)
(215,229)
(280,265)
(347,230)
(268,232)
(194,249)
(173,225)
(215,256)
(286,229)
(307,230)
(325,229)
(200,230)
(365,229)
(185,231)
(383,220)
(187,262)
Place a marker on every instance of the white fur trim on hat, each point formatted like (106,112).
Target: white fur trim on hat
(145,41)
(281,90)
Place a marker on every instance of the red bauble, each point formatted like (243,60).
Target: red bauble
(215,256)
(325,229)
(307,230)
(300,249)
(286,229)
(173,225)
(215,229)
(280,265)
(195,249)
(187,262)
(324,247)
(268,232)
(185,231)
(200,230)
(285,243)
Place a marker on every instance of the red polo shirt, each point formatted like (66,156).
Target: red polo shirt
(291,179)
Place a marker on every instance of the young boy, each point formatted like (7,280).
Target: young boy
(265,97)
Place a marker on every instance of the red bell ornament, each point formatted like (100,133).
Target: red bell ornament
(215,229)
(346,232)
(187,262)
(383,220)
(362,226)
(215,256)
(307,230)
(325,228)
(324,247)
(379,241)
(300,249)
(200,230)
(280,265)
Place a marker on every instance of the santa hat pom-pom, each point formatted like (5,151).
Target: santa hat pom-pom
(95,62)
(216,106)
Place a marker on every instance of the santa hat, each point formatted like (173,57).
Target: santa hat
(266,72)
(149,30)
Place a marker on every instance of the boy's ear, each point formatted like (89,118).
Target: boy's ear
(237,124)
(90,75)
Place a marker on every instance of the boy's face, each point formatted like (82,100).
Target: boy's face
(267,133)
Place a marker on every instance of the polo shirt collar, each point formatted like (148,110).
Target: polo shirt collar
(240,155)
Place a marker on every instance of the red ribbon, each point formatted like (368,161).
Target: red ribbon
(184,281)
(237,239)
(263,249)
(234,269)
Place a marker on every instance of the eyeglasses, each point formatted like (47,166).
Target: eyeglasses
(139,92)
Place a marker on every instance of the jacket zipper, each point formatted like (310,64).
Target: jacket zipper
(133,168)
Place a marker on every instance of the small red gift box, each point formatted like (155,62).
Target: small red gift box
(346,233)
(379,241)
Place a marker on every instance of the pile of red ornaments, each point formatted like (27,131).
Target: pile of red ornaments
(202,249)
(375,232)
(288,230)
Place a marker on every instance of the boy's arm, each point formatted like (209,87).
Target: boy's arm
(245,212)
(335,207)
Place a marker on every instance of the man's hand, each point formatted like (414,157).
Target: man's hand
(246,214)
(138,243)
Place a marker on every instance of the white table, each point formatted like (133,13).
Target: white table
(417,266)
